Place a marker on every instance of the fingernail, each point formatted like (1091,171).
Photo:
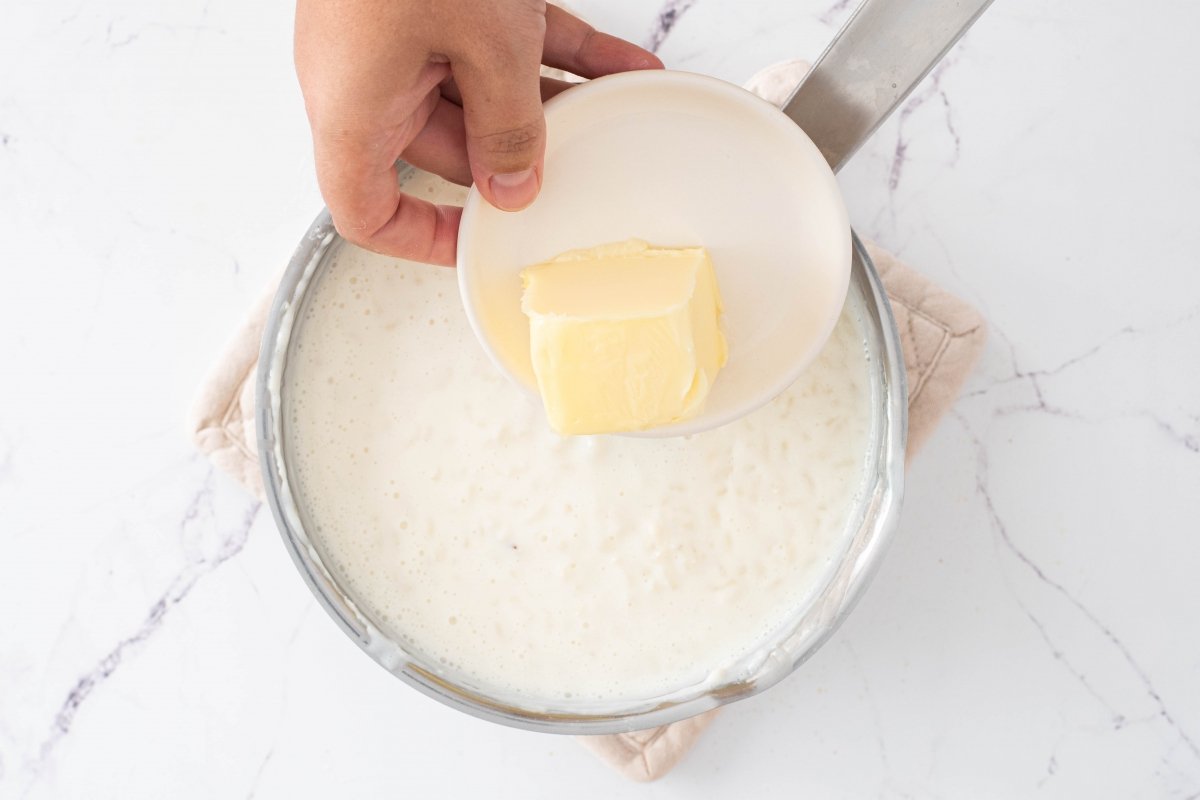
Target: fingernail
(514,190)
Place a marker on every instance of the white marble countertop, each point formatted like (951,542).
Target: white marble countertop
(1033,629)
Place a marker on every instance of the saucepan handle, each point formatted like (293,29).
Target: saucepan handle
(884,51)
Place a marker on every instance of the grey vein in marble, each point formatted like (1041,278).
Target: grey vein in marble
(1051,770)
(177,590)
(831,14)
(1036,377)
(115,39)
(258,775)
(1000,528)
(6,458)
(670,14)
(116,44)
(932,89)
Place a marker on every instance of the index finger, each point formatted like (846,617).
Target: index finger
(576,47)
(369,210)
(417,230)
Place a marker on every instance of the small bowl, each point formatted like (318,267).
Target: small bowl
(676,159)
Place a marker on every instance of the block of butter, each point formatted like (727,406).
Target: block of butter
(623,336)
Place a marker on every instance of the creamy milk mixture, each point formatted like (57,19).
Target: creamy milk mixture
(591,568)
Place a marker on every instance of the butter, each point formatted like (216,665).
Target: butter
(624,336)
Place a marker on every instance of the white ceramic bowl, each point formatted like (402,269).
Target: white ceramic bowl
(676,159)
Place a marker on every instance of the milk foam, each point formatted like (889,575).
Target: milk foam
(518,561)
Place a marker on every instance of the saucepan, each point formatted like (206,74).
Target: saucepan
(884,50)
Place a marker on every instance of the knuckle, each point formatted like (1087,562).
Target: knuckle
(587,39)
(354,234)
(516,141)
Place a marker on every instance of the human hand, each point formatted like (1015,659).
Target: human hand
(451,86)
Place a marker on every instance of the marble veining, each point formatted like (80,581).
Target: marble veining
(836,11)
(668,16)
(1030,632)
(208,553)
(930,90)
(1187,328)
(1119,719)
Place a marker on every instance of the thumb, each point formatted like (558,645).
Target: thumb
(506,132)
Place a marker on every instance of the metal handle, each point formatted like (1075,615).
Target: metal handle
(884,50)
